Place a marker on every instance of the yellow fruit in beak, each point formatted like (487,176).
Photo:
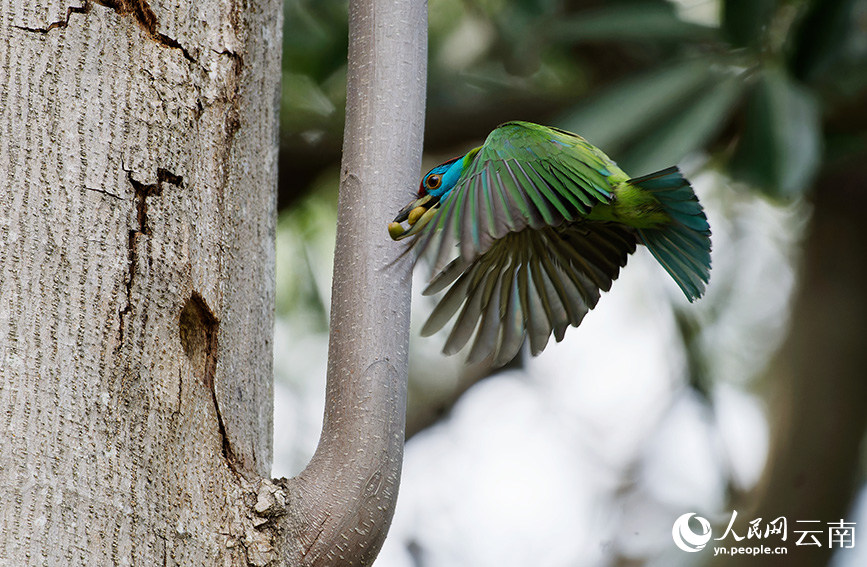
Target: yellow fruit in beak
(415,214)
(395,230)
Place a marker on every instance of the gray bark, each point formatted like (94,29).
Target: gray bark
(138,162)
(137,167)
(342,503)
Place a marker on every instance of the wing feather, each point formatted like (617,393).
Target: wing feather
(445,277)
(447,306)
(542,205)
(469,316)
(504,223)
(447,235)
(591,181)
(513,330)
(555,311)
(523,176)
(469,222)
(573,206)
(521,204)
(566,290)
(487,222)
(568,181)
(546,193)
(585,286)
(489,329)
(528,284)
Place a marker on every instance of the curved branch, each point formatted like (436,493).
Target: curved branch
(341,505)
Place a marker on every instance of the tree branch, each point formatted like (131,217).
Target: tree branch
(341,505)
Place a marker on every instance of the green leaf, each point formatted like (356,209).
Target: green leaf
(630,22)
(302,94)
(822,37)
(779,151)
(744,21)
(617,116)
(688,130)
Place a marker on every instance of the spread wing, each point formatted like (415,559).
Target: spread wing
(511,243)
(532,282)
(525,175)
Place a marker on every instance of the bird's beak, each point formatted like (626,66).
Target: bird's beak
(404,212)
(417,214)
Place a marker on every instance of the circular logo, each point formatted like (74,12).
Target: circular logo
(685,538)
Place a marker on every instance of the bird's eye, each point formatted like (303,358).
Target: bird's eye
(433,181)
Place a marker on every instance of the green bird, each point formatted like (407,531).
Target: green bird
(526,230)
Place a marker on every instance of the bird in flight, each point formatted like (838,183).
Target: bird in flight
(525,231)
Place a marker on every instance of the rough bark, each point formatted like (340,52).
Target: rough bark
(137,166)
(342,503)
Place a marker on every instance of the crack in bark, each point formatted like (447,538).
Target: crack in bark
(60,23)
(139,9)
(165,545)
(198,325)
(146,18)
(199,329)
(233,115)
(306,552)
(104,192)
(236,57)
(228,453)
(141,193)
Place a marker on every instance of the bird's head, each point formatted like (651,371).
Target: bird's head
(434,187)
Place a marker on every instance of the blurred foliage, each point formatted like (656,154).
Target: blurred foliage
(758,84)
(768,91)
(305,245)
(314,68)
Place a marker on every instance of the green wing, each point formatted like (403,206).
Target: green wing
(509,283)
(525,175)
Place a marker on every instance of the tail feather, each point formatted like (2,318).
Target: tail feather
(683,245)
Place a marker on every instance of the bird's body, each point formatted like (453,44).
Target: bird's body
(527,228)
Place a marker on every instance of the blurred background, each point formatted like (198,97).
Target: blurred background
(752,400)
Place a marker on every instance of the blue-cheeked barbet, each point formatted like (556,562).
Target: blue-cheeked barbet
(527,228)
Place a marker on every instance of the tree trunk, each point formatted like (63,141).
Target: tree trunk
(137,167)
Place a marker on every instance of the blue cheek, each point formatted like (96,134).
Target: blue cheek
(438,192)
(450,179)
